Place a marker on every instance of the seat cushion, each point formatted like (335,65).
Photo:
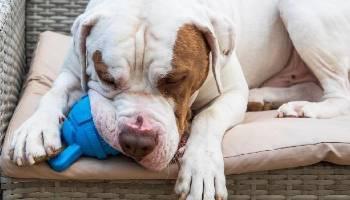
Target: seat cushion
(261,142)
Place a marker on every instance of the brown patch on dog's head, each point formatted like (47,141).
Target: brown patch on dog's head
(102,69)
(190,69)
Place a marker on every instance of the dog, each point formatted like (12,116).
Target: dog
(177,66)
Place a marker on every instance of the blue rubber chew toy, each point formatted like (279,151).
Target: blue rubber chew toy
(81,137)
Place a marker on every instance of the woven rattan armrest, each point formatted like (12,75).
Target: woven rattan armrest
(12,58)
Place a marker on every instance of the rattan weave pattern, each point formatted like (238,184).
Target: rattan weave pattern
(319,182)
(53,15)
(11,58)
(322,181)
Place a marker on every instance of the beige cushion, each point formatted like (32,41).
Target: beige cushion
(261,142)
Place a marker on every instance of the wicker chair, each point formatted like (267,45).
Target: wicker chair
(321,181)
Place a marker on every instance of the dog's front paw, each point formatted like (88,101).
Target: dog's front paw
(201,175)
(37,139)
(304,109)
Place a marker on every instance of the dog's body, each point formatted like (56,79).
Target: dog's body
(151,62)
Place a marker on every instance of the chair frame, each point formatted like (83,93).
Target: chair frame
(20,24)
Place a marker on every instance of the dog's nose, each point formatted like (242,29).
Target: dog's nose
(137,145)
(137,141)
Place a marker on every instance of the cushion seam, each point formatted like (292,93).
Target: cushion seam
(281,148)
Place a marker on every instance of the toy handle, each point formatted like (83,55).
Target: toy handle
(66,158)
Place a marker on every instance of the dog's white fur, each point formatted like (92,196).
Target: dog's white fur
(251,40)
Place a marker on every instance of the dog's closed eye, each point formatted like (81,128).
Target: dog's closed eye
(173,79)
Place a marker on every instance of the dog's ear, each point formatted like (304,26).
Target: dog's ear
(220,34)
(80,30)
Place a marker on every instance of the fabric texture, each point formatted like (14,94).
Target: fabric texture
(261,142)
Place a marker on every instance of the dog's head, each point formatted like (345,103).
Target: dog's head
(149,68)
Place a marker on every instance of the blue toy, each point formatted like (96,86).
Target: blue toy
(81,137)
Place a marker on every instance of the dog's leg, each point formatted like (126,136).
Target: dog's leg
(267,98)
(202,165)
(294,83)
(38,137)
(320,31)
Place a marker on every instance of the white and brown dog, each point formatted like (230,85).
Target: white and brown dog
(155,61)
